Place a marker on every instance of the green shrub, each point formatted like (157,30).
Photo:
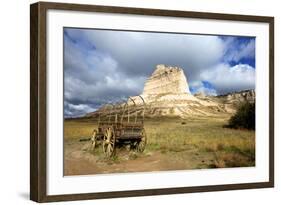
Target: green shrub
(244,117)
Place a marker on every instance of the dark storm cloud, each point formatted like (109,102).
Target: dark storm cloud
(138,52)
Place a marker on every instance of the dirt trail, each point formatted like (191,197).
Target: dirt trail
(79,161)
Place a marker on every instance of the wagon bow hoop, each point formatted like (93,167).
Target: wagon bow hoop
(144,106)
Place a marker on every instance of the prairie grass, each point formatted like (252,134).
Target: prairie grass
(78,128)
(197,136)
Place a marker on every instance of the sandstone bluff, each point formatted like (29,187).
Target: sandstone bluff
(166,93)
(166,79)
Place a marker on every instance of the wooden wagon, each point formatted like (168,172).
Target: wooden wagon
(121,124)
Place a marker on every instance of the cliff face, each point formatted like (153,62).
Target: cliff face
(168,86)
(245,95)
(166,92)
(166,79)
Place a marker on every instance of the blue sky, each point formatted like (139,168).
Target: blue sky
(102,66)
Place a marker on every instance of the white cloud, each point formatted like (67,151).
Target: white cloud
(236,51)
(72,110)
(80,107)
(228,79)
(138,52)
(198,87)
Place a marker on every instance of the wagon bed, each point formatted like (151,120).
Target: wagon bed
(120,126)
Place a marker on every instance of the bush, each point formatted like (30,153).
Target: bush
(244,117)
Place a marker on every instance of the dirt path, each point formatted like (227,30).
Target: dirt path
(80,161)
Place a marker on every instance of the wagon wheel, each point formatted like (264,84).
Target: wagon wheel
(142,143)
(93,140)
(108,142)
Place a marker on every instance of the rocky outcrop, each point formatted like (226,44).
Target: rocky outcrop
(245,95)
(237,98)
(166,79)
(166,84)
(166,93)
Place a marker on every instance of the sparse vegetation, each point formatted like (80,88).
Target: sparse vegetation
(244,118)
(199,143)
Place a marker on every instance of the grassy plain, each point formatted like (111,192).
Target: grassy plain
(173,143)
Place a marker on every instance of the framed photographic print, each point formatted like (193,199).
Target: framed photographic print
(135,102)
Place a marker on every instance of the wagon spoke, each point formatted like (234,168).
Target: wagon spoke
(142,143)
(109,141)
(109,148)
(93,140)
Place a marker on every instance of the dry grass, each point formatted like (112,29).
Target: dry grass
(80,128)
(198,136)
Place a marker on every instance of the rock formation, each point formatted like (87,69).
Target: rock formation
(245,95)
(166,84)
(166,92)
(166,79)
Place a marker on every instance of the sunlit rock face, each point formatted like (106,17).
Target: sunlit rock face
(245,95)
(166,79)
(166,92)
(166,85)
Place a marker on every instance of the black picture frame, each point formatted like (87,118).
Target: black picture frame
(38,100)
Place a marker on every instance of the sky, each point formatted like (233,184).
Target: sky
(106,66)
